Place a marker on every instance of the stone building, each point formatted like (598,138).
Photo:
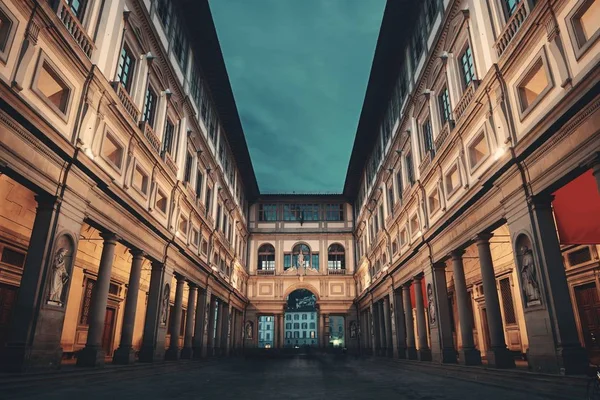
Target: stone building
(133,227)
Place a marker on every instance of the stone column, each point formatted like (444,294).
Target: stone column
(125,353)
(388,326)
(92,354)
(381,329)
(424,352)
(279,331)
(228,329)
(372,333)
(173,351)
(209,314)
(198,337)
(188,352)
(441,322)
(321,330)
(376,330)
(411,350)
(219,333)
(498,356)
(155,328)
(469,355)
(400,324)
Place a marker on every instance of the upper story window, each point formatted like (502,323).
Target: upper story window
(467,66)
(510,7)
(336,258)
(300,212)
(427,133)
(52,87)
(180,46)
(219,217)
(431,7)
(410,175)
(208,200)
(126,67)
(584,27)
(444,104)
(391,198)
(267,212)
(199,182)
(169,137)
(7,31)
(334,212)
(77,7)
(187,175)
(399,183)
(266,257)
(150,106)
(164,11)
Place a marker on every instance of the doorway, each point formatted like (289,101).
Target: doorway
(8,297)
(588,306)
(107,333)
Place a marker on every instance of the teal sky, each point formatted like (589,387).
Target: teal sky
(299,70)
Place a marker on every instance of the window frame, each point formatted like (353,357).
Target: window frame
(466,46)
(108,135)
(540,57)
(166,196)
(10,36)
(45,59)
(475,167)
(130,78)
(137,165)
(451,193)
(580,49)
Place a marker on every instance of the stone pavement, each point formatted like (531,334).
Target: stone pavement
(263,379)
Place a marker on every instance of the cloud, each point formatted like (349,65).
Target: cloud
(299,71)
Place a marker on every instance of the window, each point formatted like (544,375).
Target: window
(287,261)
(391,199)
(199,181)
(163,9)
(409,167)
(267,212)
(12,257)
(112,151)
(7,31)
(187,175)
(427,138)
(403,237)
(126,67)
(585,20)
(52,88)
(533,86)
(336,258)
(444,104)
(195,237)
(399,183)
(467,66)
(507,302)
(334,212)
(218,221)
(305,251)
(576,257)
(180,46)
(434,201)
(478,151)
(315,261)
(208,200)
(140,180)
(510,6)
(452,180)
(77,7)
(87,300)
(149,106)
(183,225)
(168,138)
(266,257)
(300,212)
(414,225)
(161,201)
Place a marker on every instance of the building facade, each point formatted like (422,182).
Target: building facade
(133,228)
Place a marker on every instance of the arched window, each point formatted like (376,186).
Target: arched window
(266,257)
(336,258)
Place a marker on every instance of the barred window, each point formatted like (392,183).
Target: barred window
(507,302)
(444,104)
(87,300)
(468,66)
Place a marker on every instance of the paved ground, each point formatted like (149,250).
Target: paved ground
(265,379)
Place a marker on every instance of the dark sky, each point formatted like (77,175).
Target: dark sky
(299,70)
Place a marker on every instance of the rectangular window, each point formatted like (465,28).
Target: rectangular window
(183,226)
(467,65)
(414,225)
(586,21)
(150,106)
(195,237)
(12,257)
(399,183)
(533,85)
(452,179)
(478,151)
(427,138)
(168,137)
(334,212)
(267,212)
(510,7)
(180,46)
(199,181)
(391,199)
(409,168)
(6,30)
(287,261)
(434,201)
(126,67)
(163,10)
(52,88)
(113,151)
(507,302)
(208,200)
(187,175)
(444,104)
(315,261)
(218,217)
(77,7)
(161,201)
(140,180)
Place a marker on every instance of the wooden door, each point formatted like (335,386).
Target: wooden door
(486,329)
(8,298)
(107,334)
(588,306)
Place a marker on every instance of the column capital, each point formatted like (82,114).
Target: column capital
(192,286)
(180,278)
(541,201)
(157,266)
(45,201)
(137,253)
(439,265)
(483,238)
(406,285)
(419,277)
(109,237)
(457,254)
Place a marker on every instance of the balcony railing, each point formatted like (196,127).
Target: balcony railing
(426,161)
(150,136)
(333,271)
(265,272)
(466,99)
(126,100)
(170,162)
(441,137)
(71,22)
(512,27)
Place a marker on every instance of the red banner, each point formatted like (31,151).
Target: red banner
(412,293)
(577,211)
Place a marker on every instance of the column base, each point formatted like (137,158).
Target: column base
(470,357)
(124,356)
(424,354)
(172,354)
(150,354)
(16,357)
(90,357)
(197,352)
(564,361)
(401,353)
(187,353)
(411,353)
(449,356)
(500,358)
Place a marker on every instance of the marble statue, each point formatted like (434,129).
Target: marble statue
(300,259)
(59,277)
(164,307)
(431,304)
(531,287)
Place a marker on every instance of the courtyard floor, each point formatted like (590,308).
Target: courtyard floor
(263,379)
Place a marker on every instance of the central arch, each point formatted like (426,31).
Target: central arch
(301,320)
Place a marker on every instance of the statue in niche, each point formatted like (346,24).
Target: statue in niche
(59,277)
(164,306)
(300,260)
(431,304)
(353,330)
(249,329)
(531,287)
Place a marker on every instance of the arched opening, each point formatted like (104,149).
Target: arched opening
(301,329)
(336,258)
(266,258)
(301,257)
